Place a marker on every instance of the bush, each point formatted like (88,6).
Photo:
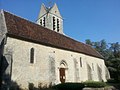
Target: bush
(94,84)
(69,86)
(40,87)
(112,81)
(14,86)
(31,86)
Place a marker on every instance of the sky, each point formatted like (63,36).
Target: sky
(83,19)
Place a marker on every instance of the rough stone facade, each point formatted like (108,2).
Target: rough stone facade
(47,60)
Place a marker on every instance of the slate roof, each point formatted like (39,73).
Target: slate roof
(23,29)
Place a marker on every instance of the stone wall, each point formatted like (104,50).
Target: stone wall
(47,61)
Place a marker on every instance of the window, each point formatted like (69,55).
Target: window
(53,23)
(58,25)
(44,22)
(32,55)
(80,62)
(40,21)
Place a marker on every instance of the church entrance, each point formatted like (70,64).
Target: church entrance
(62,75)
(62,71)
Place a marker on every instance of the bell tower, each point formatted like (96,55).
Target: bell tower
(50,17)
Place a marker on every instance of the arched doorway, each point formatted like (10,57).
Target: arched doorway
(62,71)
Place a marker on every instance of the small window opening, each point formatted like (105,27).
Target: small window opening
(80,62)
(32,55)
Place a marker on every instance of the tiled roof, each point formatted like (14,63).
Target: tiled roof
(23,29)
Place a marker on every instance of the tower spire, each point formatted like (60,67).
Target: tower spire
(50,17)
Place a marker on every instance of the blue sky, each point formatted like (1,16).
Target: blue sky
(83,19)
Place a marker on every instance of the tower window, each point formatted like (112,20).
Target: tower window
(40,21)
(53,23)
(80,62)
(44,22)
(58,25)
(32,55)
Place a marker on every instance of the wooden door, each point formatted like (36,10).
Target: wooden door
(62,75)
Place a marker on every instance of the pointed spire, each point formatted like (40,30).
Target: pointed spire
(42,10)
(50,18)
(55,10)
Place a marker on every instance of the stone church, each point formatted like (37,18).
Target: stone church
(41,53)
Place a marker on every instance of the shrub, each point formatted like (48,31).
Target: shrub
(69,86)
(112,81)
(14,86)
(40,87)
(31,86)
(94,84)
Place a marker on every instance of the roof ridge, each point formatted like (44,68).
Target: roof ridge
(19,16)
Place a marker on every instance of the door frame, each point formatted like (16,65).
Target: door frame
(62,71)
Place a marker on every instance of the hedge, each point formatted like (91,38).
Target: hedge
(94,84)
(69,86)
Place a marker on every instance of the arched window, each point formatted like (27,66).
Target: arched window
(32,55)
